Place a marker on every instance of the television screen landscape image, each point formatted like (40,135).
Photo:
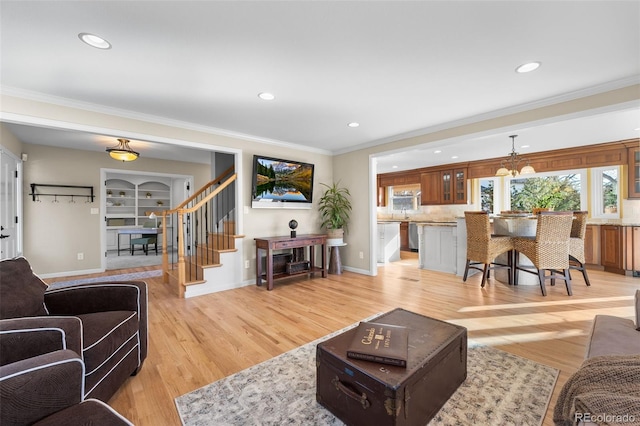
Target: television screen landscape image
(277,180)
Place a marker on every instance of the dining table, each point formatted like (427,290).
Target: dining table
(515,225)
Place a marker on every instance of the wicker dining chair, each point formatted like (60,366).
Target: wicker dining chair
(576,244)
(483,248)
(548,250)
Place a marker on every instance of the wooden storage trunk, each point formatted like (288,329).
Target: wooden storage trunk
(368,393)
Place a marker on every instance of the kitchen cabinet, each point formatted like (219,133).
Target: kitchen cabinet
(444,187)
(430,188)
(388,242)
(460,186)
(633,158)
(438,248)
(404,235)
(592,245)
(632,249)
(612,248)
(382,194)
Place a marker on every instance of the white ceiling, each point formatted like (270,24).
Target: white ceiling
(398,68)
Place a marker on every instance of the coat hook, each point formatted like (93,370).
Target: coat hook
(72,200)
(55,198)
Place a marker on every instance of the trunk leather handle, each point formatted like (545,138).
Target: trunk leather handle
(362,399)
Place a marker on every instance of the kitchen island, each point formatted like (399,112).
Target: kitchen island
(437,246)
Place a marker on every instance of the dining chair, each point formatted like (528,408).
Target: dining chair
(483,248)
(548,250)
(146,239)
(576,244)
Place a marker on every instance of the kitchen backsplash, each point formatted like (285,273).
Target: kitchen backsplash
(446,213)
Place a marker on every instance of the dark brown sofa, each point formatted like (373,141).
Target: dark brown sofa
(105,324)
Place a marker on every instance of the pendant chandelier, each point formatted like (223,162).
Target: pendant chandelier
(123,151)
(509,166)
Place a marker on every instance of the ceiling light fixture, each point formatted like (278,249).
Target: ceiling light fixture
(266,96)
(437,151)
(509,166)
(528,67)
(123,151)
(95,41)
(353,124)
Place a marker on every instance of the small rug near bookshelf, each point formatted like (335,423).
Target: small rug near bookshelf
(501,388)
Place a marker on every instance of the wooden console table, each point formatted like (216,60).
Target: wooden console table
(279,243)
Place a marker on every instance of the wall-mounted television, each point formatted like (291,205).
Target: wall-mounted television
(279,183)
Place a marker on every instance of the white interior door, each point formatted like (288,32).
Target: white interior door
(10,238)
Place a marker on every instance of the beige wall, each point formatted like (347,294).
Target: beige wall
(9,141)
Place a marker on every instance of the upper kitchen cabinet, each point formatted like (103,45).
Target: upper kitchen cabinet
(444,187)
(430,187)
(386,180)
(634,172)
(460,186)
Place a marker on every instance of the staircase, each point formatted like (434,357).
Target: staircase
(207,259)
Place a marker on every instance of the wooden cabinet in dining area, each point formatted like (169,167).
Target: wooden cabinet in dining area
(592,245)
(632,249)
(612,248)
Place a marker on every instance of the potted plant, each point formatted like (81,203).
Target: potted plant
(335,207)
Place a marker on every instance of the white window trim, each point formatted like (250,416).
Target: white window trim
(597,205)
(497,194)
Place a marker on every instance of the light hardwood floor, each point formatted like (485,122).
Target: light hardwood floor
(193,342)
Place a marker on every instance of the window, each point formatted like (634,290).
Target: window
(404,197)
(560,191)
(606,192)
(489,196)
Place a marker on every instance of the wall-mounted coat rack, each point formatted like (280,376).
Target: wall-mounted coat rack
(86,192)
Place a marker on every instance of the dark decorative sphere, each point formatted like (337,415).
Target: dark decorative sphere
(293,224)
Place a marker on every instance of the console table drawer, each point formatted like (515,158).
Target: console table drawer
(296,244)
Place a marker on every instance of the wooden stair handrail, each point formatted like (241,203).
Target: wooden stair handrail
(206,186)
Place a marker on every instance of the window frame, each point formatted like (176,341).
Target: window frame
(597,191)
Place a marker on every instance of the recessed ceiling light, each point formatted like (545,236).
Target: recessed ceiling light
(528,67)
(394,167)
(437,151)
(94,41)
(454,156)
(353,124)
(524,146)
(266,96)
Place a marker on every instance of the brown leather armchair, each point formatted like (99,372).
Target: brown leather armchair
(104,323)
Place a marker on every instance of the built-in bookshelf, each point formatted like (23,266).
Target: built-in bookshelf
(130,200)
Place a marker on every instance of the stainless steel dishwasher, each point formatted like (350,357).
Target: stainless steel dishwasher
(413,236)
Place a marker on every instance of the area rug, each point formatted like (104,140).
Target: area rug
(134,276)
(500,388)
